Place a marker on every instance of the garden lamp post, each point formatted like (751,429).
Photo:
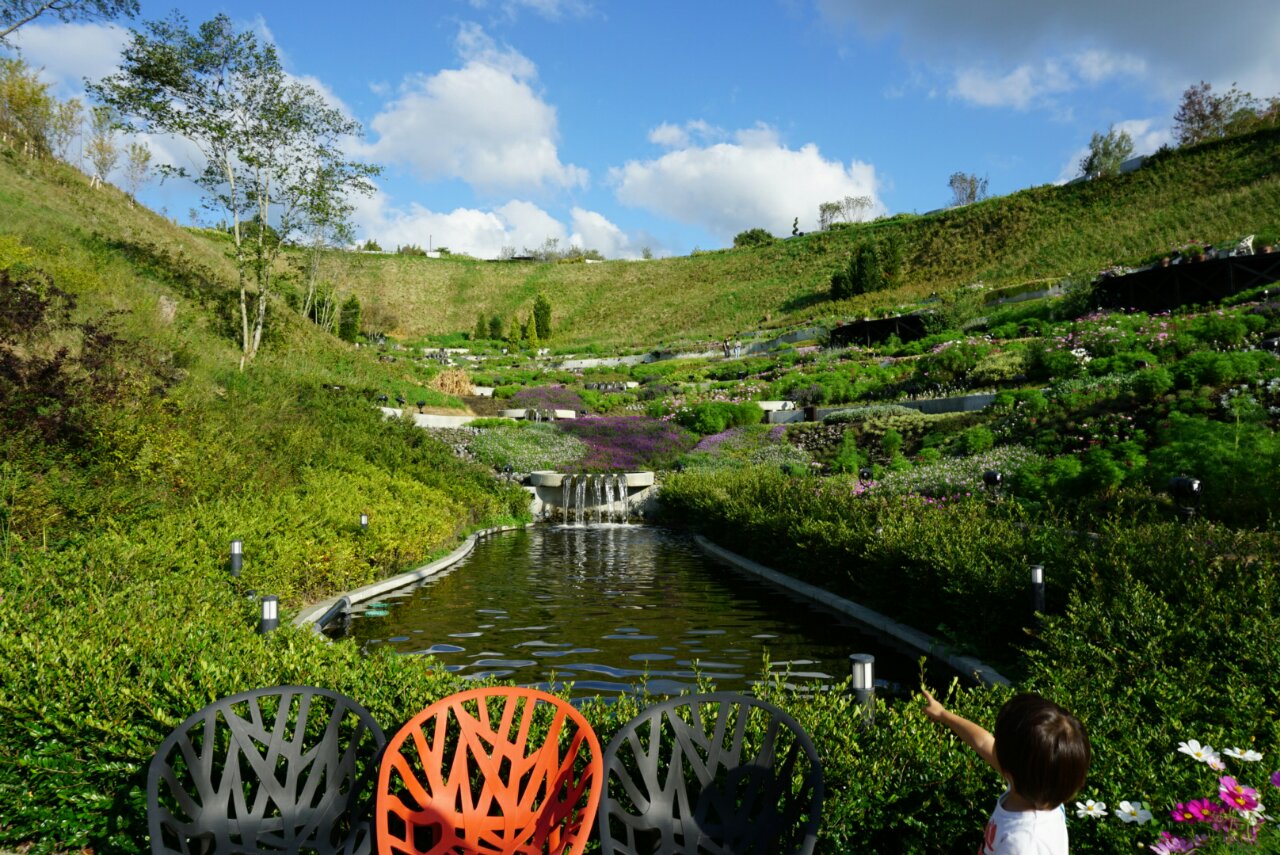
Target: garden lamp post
(1186,492)
(270,618)
(364,522)
(862,667)
(237,557)
(1037,589)
(992,479)
(864,474)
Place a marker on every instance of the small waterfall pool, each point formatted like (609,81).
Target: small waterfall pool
(608,607)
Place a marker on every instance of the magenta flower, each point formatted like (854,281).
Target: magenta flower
(1168,844)
(1237,796)
(1183,813)
(1202,810)
(1275,778)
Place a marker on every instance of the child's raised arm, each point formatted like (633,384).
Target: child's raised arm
(976,737)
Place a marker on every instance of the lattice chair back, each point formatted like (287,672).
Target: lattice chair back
(283,769)
(717,773)
(498,770)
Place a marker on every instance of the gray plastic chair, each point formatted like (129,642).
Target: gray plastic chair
(689,776)
(282,770)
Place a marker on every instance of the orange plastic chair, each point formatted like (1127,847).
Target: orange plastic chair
(462,777)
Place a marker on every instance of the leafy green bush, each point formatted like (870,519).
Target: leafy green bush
(711,417)
(527,447)
(753,237)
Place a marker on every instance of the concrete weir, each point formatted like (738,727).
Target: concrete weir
(585,498)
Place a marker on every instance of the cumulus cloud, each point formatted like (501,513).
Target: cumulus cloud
(516,225)
(67,54)
(1090,40)
(753,181)
(482,123)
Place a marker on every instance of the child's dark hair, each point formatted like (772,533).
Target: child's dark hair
(1043,749)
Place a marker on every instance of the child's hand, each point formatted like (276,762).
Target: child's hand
(932,709)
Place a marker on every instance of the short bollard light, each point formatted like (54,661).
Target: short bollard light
(270,614)
(364,522)
(862,668)
(864,474)
(421,404)
(237,557)
(1037,589)
(1186,492)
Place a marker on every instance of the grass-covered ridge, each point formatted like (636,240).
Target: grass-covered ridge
(1213,193)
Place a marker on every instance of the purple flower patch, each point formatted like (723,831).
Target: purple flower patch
(628,443)
(548,398)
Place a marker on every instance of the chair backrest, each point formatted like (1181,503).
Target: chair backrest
(719,773)
(282,769)
(497,770)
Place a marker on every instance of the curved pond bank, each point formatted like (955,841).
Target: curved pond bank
(609,607)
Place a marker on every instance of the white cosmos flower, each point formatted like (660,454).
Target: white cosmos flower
(1203,753)
(1245,754)
(1090,808)
(1134,812)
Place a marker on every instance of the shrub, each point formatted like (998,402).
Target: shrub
(753,237)
(711,417)
(528,446)
(349,319)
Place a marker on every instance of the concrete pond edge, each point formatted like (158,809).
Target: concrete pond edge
(318,614)
(906,635)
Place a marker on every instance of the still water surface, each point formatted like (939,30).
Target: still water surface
(610,607)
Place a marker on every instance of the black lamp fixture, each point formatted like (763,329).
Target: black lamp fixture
(993,479)
(864,474)
(1186,492)
(421,404)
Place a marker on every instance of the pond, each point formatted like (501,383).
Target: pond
(608,608)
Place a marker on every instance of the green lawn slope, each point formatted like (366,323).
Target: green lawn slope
(1215,192)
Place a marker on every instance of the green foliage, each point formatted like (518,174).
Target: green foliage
(711,417)
(1106,153)
(542,316)
(496,328)
(753,237)
(527,446)
(349,319)
(481,331)
(873,266)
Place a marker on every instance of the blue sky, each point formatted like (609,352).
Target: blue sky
(621,126)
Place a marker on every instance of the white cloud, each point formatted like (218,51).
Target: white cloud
(755,181)
(517,224)
(1164,44)
(67,54)
(482,123)
(1021,88)
(551,9)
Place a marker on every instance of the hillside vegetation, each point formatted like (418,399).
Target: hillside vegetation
(1215,192)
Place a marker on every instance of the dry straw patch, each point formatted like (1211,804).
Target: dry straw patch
(452,382)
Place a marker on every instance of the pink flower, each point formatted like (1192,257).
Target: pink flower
(1275,778)
(1202,809)
(1183,813)
(1237,796)
(1168,844)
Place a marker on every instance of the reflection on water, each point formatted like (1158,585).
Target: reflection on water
(610,607)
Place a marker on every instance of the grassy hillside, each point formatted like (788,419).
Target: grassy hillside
(1214,192)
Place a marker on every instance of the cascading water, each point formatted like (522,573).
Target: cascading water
(599,499)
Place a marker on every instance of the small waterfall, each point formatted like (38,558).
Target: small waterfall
(608,510)
(587,499)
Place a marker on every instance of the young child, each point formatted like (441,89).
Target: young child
(1043,753)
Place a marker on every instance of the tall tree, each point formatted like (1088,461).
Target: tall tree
(542,316)
(15,13)
(1106,153)
(102,148)
(270,145)
(26,107)
(65,126)
(966,188)
(137,167)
